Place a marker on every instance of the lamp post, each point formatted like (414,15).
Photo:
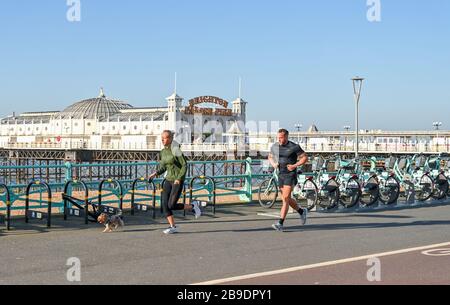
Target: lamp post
(357,86)
(347,128)
(436,127)
(299,127)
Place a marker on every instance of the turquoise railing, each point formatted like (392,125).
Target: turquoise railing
(239,182)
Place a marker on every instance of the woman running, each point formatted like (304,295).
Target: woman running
(174,163)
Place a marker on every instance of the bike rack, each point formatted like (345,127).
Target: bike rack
(35,214)
(213,183)
(143,207)
(109,209)
(7,220)
(80,211)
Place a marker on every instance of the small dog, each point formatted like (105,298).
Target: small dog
(111,222)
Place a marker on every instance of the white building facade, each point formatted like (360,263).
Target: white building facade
(102,123)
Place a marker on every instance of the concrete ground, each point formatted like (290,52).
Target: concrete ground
(235,247)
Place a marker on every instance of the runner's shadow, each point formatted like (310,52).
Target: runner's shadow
(352,226)
(362,216)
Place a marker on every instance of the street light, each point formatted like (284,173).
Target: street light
(357,86)
(299,127)
(437,125)
(347,128)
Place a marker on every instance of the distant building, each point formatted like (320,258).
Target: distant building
(104,123)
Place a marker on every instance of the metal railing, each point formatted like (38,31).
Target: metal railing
(257,148)
(231,177)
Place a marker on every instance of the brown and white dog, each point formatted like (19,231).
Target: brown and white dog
(110,222)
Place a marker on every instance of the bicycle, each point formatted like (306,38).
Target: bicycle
(348,180)
(437,173)
(389,186)
(370,188)
(324,184)
(413,178)
(268,192)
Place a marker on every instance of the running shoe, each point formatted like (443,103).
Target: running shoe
(304,216)
(171,230)
(277,227)
(196,209)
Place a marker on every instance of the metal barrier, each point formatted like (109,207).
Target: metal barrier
(110,209)
(36,214)
(7,219)
(213,183)
(142,207)
(80,211)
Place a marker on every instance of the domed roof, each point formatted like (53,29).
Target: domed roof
(94,108)
(313,128)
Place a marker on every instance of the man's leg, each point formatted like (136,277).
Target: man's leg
(293,204)
(286,192)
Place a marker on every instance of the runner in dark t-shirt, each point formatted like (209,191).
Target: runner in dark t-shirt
(287,156)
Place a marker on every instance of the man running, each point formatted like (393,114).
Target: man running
(287,156)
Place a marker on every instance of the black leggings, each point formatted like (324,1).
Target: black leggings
(170,196)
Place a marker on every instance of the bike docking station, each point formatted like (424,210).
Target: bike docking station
(142,207)
(366,184)
(6,219)
(81,209)
(34,214)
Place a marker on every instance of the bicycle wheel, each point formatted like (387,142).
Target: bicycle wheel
(370,192)
(425,188)
(268,193)
(351,194)
(389,190)
(329,195)
(441,187)
(311,193)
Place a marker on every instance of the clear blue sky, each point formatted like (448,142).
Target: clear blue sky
(296,57)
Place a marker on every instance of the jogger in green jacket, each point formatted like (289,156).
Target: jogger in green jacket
(174,164)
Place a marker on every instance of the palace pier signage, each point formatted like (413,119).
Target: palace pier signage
(193,106)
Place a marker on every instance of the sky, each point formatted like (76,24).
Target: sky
(296,58)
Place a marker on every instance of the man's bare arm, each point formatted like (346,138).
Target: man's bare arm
(301,160)
(272,161)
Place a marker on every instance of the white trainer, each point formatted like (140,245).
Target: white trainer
(304,216)
(197,210)
(171,230)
